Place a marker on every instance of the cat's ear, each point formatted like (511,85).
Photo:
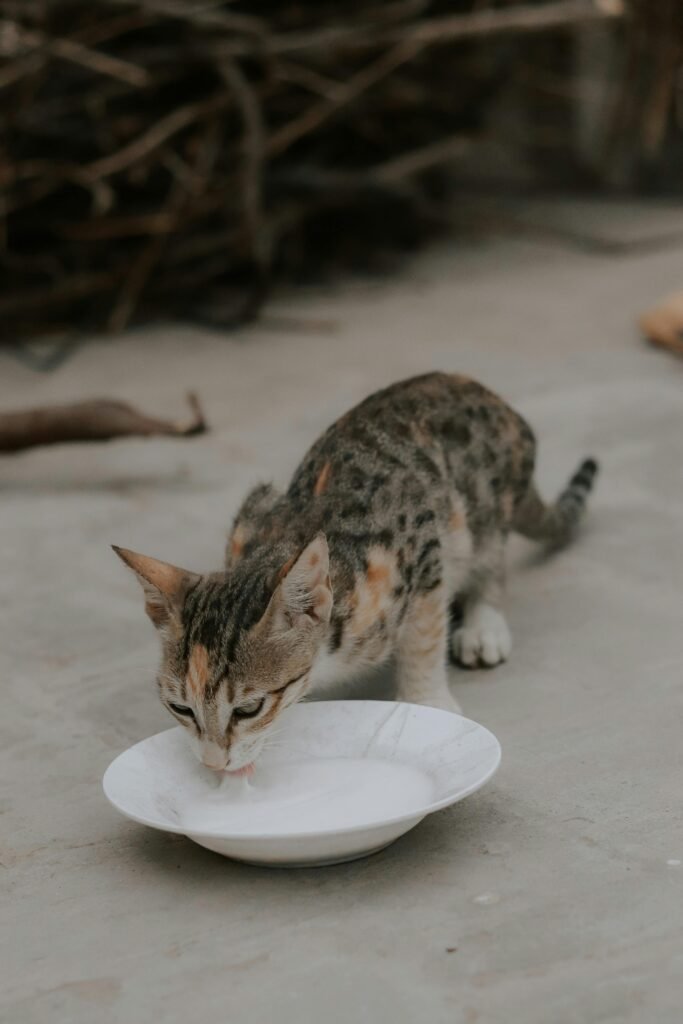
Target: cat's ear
(304,595)
(165,585)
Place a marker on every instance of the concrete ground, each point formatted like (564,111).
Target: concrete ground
(555,895)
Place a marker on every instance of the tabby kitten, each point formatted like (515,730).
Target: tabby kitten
(401,508)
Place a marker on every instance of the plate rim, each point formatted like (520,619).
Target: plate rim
(431,808)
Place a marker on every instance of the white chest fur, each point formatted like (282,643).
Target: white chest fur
(330,669)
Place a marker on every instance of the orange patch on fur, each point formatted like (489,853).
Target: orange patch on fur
(372,595)
(323,478)
(458,517)
(285,568)
(457,520)
(198,670)
(237,542)
(378,575)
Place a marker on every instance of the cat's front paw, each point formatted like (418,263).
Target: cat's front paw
(483,638)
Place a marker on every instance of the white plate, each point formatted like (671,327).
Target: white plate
(341,780)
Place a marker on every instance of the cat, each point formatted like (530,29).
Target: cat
(400,509)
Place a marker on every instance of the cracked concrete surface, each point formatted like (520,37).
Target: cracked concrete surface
(555,894)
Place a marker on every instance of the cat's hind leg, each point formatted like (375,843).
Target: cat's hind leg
(421,651)
(482,637)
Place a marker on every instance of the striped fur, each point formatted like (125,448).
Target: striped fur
(401,508)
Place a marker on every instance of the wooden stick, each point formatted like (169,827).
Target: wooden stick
(69,49)
(416,161)
(344,93)
(204,15)
(96,420)
(491,21)
(154,137)
(75,287)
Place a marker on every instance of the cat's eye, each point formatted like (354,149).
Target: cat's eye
(182,710)
(249,710)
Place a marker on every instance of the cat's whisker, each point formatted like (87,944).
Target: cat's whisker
(275,732)
(285,746)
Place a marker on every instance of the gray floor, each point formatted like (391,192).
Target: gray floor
(555,894)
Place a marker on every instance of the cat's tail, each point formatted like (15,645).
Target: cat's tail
(556,524)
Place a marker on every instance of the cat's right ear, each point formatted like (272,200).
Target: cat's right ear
(303,596)
(165,585)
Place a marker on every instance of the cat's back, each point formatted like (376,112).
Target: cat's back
(431,425)
(435,408)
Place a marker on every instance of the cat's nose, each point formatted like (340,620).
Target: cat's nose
(216,764)
(214,757)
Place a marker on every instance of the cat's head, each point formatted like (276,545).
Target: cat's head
(237,647)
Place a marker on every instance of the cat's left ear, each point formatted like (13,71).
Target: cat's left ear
(304,593)
(165,585)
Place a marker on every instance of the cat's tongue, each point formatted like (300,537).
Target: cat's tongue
(247,769)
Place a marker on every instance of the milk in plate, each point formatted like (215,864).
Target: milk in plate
(309,795)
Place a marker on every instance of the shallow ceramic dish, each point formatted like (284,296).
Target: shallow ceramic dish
(341,780)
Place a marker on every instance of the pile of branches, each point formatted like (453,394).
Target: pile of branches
(171,158)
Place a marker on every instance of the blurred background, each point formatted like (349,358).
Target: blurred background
(179,159)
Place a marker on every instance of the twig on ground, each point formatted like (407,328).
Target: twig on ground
(96,420)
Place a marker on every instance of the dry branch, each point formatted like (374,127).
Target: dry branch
(452,28)
(96,420)
(70,49)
